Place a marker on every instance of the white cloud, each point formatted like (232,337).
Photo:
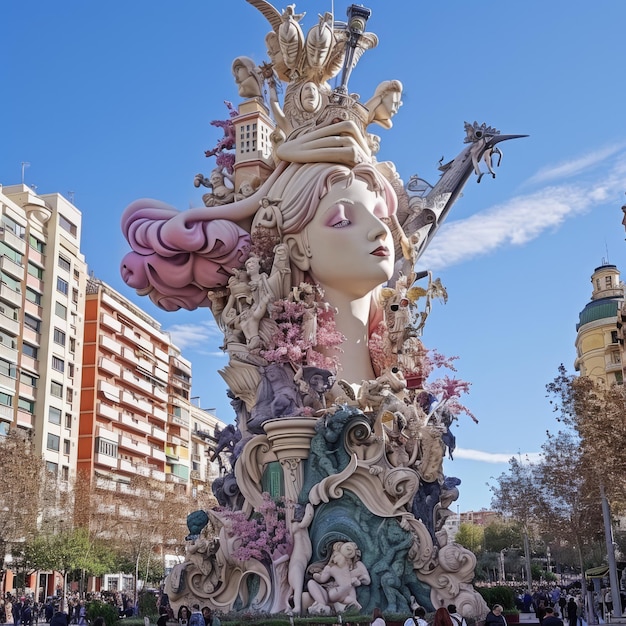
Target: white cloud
(202,338)
(520,220)
(567,169)
(494,457)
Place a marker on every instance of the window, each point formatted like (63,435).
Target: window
(8,369)
(106,447)
(35,271)
(28,379)
(26,405)
(54,415)
(6,399)
(32,322)
(51,467)
(58,364)
(608,281)
(62,286)
(33,296)
(72,345)
(7,340)
(65,224)
(68,421)
(65,473)
(56,389)
(66,446)
(53,442)
(614,337)
(60,310)
(75,296)
(12,283)
(59,336)
(34,243)
(29,350)
(12,226)
(70,370)
(16,257)
(69,395)
(64,264)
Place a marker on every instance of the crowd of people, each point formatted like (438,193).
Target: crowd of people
(26,611)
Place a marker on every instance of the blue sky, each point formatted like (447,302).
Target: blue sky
(112,101)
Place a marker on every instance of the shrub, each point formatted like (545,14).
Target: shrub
(104,610)
(498,595)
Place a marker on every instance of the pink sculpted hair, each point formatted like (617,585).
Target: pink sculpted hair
(177,256)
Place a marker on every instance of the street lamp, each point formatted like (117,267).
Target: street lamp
(357,20)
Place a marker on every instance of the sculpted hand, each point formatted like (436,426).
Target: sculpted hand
(341,142)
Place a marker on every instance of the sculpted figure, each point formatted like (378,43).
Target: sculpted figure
(385,102)
(247,77)
(301,553)
(334,587)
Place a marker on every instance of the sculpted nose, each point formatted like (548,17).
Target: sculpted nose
(377,230)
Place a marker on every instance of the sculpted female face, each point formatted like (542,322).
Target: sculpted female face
(347,245)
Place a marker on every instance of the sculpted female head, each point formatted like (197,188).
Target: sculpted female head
(333,223)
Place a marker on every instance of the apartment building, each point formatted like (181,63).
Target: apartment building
(42,286)
(136,411)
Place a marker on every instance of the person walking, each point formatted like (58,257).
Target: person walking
(457,618)
(572,612)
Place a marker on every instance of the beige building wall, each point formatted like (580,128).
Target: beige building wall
(41,322)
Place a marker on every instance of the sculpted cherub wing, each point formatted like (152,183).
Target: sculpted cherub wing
(271,13)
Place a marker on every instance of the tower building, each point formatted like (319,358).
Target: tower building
(598,339)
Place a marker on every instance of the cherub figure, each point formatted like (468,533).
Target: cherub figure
(333,588)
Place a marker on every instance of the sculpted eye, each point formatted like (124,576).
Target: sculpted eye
(336,217)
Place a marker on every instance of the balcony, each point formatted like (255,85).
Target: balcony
(138,383)
(135,402)
(7,353)
(138,425)
(159,413)
(25,419)
(110,344)
(10,296)
(158,454)
(6,413)
(158,433)
(10,267)
(31,336)
(107,411)
(109,366)
(9,325)
(30,364)
(110,392)
(34,283)
(33,309)
(137,447)
(110,322)
(12,240)
(128,354)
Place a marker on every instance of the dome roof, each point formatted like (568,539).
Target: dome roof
(604,308)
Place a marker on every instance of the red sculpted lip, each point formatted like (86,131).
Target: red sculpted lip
(381,251)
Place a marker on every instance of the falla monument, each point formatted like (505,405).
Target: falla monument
(332,495)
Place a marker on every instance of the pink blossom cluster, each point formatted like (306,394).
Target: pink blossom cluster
(265,535)
(290,346)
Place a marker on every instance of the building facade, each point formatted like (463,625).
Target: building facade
(599,332)
(91,378)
